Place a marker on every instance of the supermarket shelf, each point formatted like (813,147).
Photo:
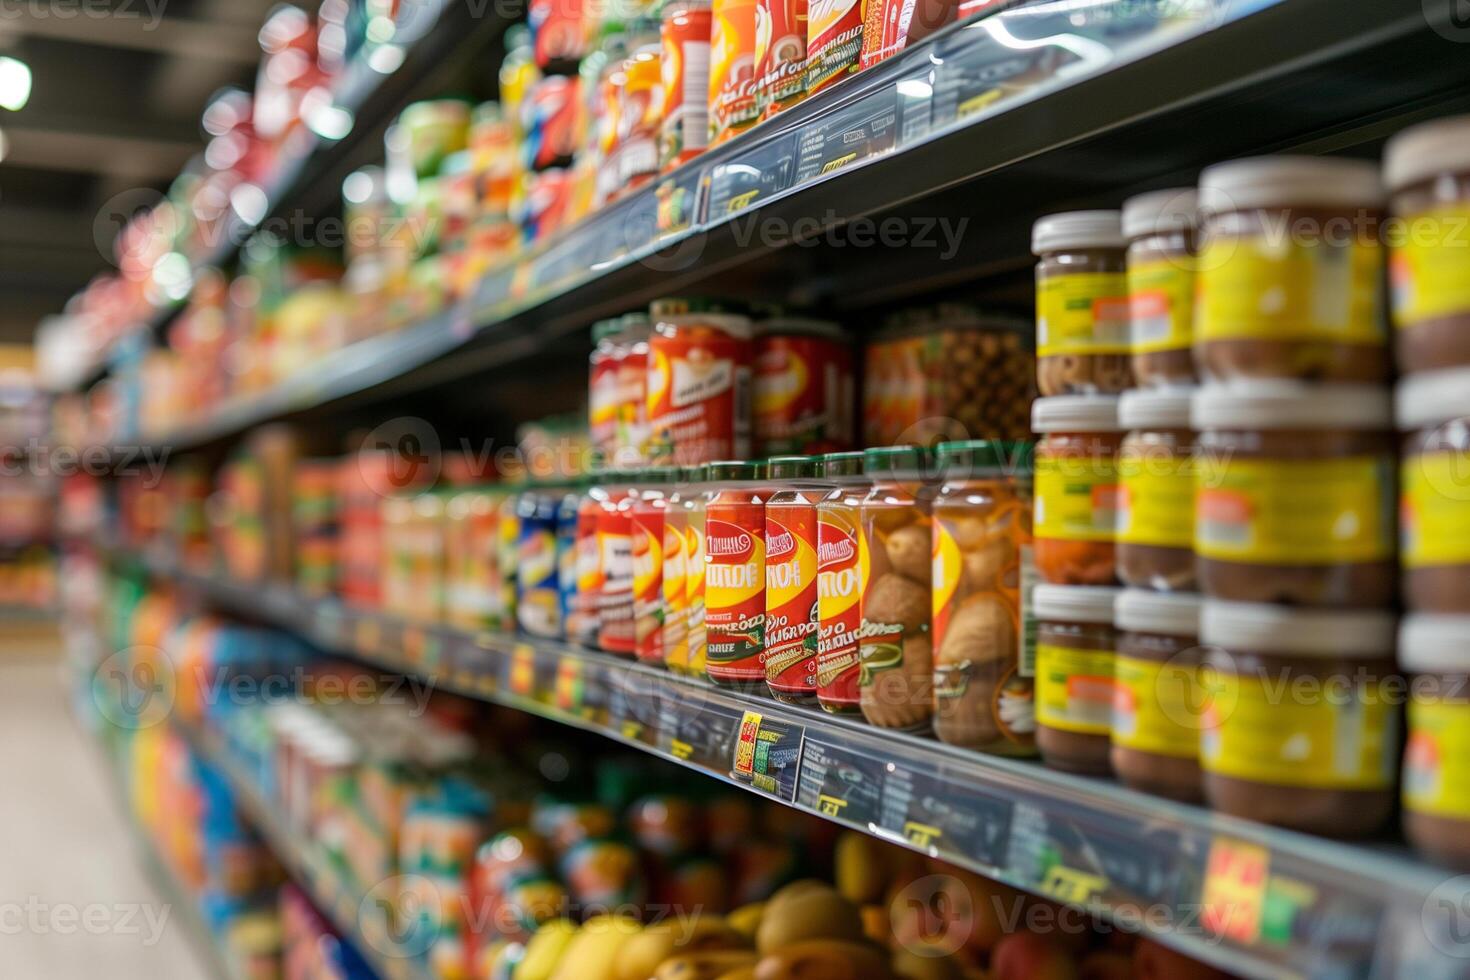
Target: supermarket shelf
(1249,898)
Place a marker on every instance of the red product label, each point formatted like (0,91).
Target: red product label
(559,32)
(632,404)
(615,548)
(780,53)
(732,68)
(834,32)
(735,590)
(553,121)
(684,132)
(699,395)
(839,611)
(583,620)
(791,596)
(602,410)
(648,580)
(803,392)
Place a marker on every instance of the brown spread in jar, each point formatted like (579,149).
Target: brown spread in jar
(1160,228)
(1434,490)
(1156,718)
(1075,649)
(1156,490)
(1081,303)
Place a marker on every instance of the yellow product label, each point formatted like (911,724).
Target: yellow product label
(1076,499)
(1152,707)
(1437,759)
(1434,510)
(1082,313)
(1296,729)
(1161,305)
(1308,512)
(948,568)
(1156,500)
(1074,689)
(1272,288)
(1428,269)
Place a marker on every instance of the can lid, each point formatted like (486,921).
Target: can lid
(1005,456)
(896,460)
(842,464)
(736,469)
(1425,151)
(1432,398)
(1075,603)
(1075,413)
(791,467)
(1291,405)
(1155,408)
(1260,627)
(1430,642)
(1289,181)
(1169,613)
(1157,212)
(1077,229)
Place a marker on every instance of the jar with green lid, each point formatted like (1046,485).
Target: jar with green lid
(735,574)
(1155,547)
(1160,229)
(984,639)
(895,683)
(1081,303)
(839,585)
(1076,646)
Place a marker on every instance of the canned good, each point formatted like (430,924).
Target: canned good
(603,392)
(695,526)
(839,583)
(582,615)
(792,622)
(735,574)
(732,104)
(780,54)
(633,368)
(615,546)
(834,41)
(685,35)
(538,586)
(803,386)
(648,566)
(699,381)
(550,123)
(675,576)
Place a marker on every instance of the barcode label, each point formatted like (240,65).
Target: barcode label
(696,95)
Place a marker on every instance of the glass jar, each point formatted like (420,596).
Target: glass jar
(1076,645)
(1081,303)
(1160,228)
(1427,170)
(1156,491)
(1300,728)
(1290,270)
(735,575)
(1156,719)
(647,550)
(695,503)
(1295,494)
(675,578)
(984,639)
(1076,488)
(839,585)
(1435,650)
(1434,485)
(791,578)
(895,681)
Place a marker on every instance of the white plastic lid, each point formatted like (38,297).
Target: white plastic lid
(1171,209)
(1264,628)
(1289,181)
(1432,397)
(1430,642)
(1169,613)
(1155,408)
(1427,150)
(1074,603)
(1077,229)
(1075,413)
(1291,405)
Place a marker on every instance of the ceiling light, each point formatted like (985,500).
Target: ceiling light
(15,84)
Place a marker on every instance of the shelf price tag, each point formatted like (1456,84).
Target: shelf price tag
(521,680)
(941,812)
(864,129)
(768,755)
(697,731)
(569,691)
(754,176)
(840,784)
(678,199)
(1236,878)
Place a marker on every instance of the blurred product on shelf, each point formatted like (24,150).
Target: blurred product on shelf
(1156,490)
(1156,718)
(839,583)
(735,575)
(1076,645)
(1432,652)
(1082,308)
(1433,410)
(1077,488)
(1161,227)
(792,621)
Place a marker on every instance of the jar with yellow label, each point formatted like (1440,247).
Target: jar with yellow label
(1076,488)
(1427,170)
(1294,494)
(1081,303)
(1290,271)
(1435,651)
(1156,717)
(982,628)
(1300,718)
(1434,490)
(1076,645)
(1156,490)
(1160,228)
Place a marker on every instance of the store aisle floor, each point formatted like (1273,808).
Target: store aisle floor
(75,902)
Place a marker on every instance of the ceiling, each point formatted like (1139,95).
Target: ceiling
(118,89)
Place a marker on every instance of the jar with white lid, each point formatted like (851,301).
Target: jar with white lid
(1156,490)
(1290,271)
(1076,644)
(1435,651)
(1301,720)
(1156,716)
(1081,303)
(1076,486)
(1160,228)
(1433,409)
(1295,494)
(1427,170)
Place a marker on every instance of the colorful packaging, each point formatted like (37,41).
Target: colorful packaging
(603,392)
(791,624)
(699,381)
(472,568)
(583,623)
(735,575)
(889,26)
(834,41)
(615,545)
(648,569)
(675,578)
(560,33)
(695,528)
(732,104)
(780,54)
(633,378)
(568,504)
(538,583)
(839,584)
(551,122)
(685,35)
(803,388)
(640,118)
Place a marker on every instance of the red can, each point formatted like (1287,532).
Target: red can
(648,569)
(780,54)
(735,576)
(732,69)
(615,546)
(834,40)
(584,619)
(551,123)
(640,117)
(699,384)
(839,584)
(791,579)
(602,393)
(805,394)
(632,358)
(560,32)
(685,35)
